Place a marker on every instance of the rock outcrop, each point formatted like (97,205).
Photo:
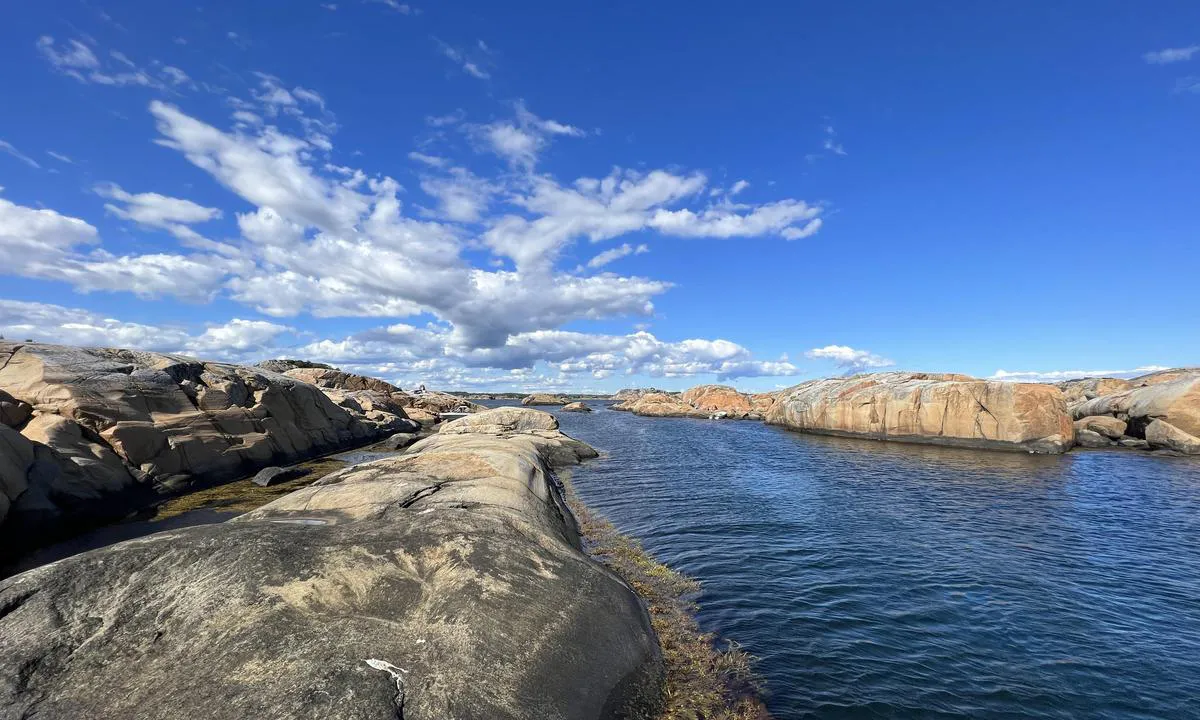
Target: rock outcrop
(1172,396)
(544,399)
(1089,388)
(367,394)
(282,365)
(942,409)
(659,404)
(105,431)
(702,401)
(576,407)
(447,582)
(332,378)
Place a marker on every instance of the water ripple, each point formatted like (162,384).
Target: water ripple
(883,580)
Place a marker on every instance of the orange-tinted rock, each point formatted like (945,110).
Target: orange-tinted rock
(944,409)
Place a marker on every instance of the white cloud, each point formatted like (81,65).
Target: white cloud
(237,340)
(329,6)
(7,147)
(46,245)
(831,143)
(627,201)
(519,141)
(237,335)
(1060,375)
(175,75)
(462,196)
(1189,84)
(74,326)
(1171,55)
(461,59)
(73,56)
(402,8)
(78,61)
(152,210)
(614,254)
(849,358)
(430,160)
(333,241)
(60,157)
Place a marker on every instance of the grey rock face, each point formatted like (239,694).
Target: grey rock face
(113,429)
(444,583)
(275,475)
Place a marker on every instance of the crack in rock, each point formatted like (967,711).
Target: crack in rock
(397,674)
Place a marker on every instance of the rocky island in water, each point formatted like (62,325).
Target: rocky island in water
(451,578)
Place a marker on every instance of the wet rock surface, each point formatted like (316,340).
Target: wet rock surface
(444,582)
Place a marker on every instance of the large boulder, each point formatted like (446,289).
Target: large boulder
(13,412)
(576,407)
(1172,396)
(544,399)
(114,429)
(1161,434)
(448,582)
(1106,425)
(943,409)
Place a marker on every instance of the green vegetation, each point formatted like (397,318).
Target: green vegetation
(703,682)
(243,496)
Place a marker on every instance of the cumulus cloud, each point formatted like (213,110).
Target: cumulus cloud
(848,358)
(520,140)
(1052,376)
(43,244)
(432,354)
(153,210)
(237,340)
(1171,55)
(333,241)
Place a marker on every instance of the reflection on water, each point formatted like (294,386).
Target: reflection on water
(889,580)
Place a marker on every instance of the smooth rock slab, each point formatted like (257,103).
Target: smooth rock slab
(444,583)
(940,409)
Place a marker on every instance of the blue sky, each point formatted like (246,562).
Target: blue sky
(476,195)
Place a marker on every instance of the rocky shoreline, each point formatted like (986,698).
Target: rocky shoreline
(1159,411)
(448,581)
(89,435)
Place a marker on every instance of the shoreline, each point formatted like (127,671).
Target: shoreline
(702,680)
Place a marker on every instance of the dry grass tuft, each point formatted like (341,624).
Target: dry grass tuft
(703,682)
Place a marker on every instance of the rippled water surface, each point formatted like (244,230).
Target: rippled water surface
(888,580)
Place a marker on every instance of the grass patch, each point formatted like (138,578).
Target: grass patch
(703,682)
(242,496)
